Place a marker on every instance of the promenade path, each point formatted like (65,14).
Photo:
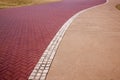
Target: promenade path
(90,48)
(25,32)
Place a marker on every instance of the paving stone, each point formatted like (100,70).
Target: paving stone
(26,32)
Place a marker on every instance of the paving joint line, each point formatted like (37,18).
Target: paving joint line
(42,67)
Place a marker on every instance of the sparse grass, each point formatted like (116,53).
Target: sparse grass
(118,6)
(19,3)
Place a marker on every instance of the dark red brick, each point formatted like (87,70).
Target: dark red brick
(25,33)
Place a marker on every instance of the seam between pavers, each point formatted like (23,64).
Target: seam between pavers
(41,69)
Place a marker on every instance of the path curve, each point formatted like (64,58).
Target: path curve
(25,33)
(43,66)
(90,48)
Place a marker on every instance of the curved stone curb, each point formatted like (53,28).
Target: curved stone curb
(41,69)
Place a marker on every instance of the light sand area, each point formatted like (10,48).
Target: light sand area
(90,49)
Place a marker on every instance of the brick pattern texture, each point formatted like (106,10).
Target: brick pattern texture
(25,33)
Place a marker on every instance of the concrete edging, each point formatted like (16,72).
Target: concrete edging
(42,67)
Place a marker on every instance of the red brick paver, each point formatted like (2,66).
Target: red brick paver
(26,32)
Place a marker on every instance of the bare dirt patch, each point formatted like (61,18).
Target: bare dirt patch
(118,6)
(19,3)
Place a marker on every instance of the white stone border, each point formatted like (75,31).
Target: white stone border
(41,69)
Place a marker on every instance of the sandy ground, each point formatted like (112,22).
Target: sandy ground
(11,4)
(90,49)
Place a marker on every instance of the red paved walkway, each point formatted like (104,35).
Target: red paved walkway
(25,33)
